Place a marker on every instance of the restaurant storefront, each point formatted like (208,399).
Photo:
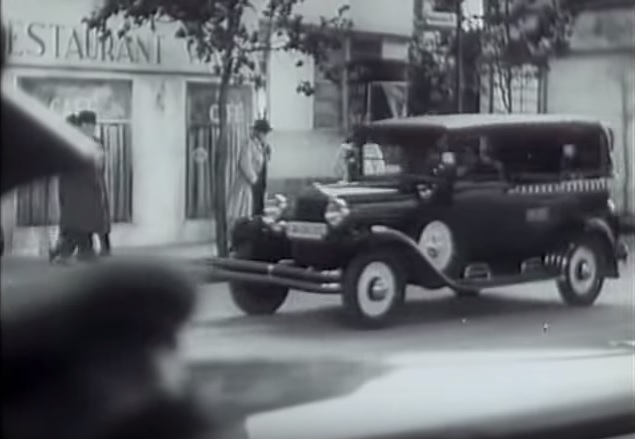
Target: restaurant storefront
(157,119)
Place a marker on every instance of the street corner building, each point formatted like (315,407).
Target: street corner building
(155,104)
(157,117)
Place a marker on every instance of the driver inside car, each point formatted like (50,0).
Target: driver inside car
(486,162)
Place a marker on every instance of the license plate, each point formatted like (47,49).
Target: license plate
(304,230)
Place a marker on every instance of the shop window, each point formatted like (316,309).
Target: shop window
(37,203)
(202,135)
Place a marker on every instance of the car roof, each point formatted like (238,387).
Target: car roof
(468,122)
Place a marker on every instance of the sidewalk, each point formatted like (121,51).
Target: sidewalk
(17,269)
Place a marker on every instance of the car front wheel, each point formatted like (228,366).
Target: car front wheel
(255,298)
(582,279)
(373,289)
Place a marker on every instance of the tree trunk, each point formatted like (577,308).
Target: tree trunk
(508,68)
(220,167)
(509,83)
(627,118)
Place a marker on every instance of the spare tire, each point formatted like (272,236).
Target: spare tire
(438,242)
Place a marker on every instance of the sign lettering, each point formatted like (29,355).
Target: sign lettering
(59,42)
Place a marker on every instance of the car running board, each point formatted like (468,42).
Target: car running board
(500,281)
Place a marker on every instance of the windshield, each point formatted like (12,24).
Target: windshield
(207,159)
(392,155)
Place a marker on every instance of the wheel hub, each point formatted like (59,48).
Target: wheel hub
(437,244)
(433,251)
(377,289)
(584,271)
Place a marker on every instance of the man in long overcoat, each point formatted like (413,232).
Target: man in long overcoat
(83,204)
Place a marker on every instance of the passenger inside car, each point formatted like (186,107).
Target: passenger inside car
(486,163)
(568,165)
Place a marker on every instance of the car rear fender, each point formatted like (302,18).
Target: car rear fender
(600,228)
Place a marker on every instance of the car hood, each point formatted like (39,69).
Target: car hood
(356,191)
(444,394)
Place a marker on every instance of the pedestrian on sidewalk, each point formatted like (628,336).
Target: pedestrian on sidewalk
(83,204)
(70,236)
(260,131)
(87,121)
(251,172)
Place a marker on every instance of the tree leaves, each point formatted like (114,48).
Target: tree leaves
(220,33)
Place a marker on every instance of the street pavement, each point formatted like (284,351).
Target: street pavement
(525,316)
(518,317)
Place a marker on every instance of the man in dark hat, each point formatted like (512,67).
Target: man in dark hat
(85,209)
(87,121)
(261,129)
(69,238)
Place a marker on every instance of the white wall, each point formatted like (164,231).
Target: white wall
(395,49)
(596,79)
(383,16)
(290,110)
(158,130)
(591,86)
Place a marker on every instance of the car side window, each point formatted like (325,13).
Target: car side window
(582,157)
(476,159)
(385,159)
(529,158)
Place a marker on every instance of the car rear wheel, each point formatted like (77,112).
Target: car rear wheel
(583,276)
(255,298)
(373,289)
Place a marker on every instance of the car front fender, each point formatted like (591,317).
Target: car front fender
(431,276)
(267,243)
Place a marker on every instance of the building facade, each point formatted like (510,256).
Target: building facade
(596,79)
(156,111)
(157,116)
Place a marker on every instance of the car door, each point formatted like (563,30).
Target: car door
(479,207)
(537,200)
(481,212)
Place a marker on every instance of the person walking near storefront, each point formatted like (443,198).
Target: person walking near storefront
(261,129)
(68,240)
(251,161)
(87,121)
(83,204)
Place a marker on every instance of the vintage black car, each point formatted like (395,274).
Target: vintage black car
(461,201)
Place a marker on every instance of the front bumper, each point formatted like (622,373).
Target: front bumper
(279,274)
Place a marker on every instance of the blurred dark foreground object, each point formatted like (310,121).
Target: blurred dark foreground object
(98,359)
(93,357)
(34,142)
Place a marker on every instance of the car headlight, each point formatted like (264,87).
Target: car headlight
(610,204)
(274,207)
(336,211)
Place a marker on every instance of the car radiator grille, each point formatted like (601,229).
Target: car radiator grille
(310,210)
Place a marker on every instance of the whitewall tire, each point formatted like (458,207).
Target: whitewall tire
(582,279)
(373,289)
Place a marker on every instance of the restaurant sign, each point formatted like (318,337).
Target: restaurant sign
(41,43)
